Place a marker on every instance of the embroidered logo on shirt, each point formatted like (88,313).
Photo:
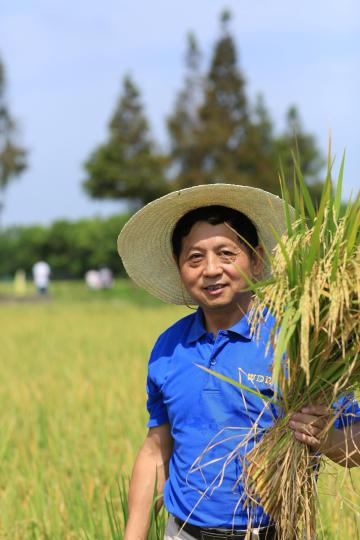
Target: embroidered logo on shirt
(258,378)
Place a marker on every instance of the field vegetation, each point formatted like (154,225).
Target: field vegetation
(72,398)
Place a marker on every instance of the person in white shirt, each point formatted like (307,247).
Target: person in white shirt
(92,280)
(41,274)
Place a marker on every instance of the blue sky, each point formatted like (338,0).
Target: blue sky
(65,62)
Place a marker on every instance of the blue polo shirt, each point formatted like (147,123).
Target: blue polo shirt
(209,418)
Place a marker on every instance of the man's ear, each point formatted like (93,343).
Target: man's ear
(257,261)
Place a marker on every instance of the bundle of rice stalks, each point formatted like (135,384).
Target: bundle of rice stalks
(314,296)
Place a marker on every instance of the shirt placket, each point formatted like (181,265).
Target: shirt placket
(211,383)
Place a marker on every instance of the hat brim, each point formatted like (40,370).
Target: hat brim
(145,246)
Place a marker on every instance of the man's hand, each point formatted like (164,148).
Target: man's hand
(340,445)
(309,425)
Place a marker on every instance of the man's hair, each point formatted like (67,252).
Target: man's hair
(215,215)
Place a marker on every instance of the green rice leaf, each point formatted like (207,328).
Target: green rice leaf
(315,239)
(304,191)
(354,224)
(286,197)
(287,329)
(337,202)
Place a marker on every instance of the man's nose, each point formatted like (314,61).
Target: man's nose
(212,265)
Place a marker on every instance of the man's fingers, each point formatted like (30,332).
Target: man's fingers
(305,428)
(309,424)
(313,442)
(316,421)
(316,410)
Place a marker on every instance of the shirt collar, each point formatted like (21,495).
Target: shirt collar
(197,329)
(242,327)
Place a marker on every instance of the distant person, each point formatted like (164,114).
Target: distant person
(41,274)
(20,282)
(92,280)
(106,278)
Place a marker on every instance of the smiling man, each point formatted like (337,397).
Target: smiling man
(198,246)
(213,261)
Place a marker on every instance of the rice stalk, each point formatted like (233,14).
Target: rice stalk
(314,297)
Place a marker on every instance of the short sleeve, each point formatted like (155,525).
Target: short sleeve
(155,405)
(155,378)
(348,411)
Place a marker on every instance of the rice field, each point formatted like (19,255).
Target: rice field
(72,401)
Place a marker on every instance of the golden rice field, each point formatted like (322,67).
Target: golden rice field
(72,402)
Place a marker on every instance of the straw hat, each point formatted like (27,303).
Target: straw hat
(144,243)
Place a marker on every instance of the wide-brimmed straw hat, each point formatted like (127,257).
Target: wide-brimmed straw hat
(145,246)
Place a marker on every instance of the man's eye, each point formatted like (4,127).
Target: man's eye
(227,255)
(195,257)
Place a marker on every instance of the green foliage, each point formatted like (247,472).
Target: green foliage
(70,248)
(126,165)
(308,155)
(12,155)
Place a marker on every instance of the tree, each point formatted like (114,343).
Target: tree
(224,115)
(217,134)
(183,123)
(295,140)
(126,165)
(12,156)
(260,149)
(67,246)
(218,141)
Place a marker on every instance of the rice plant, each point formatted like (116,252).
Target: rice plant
(314,296)
(69,432)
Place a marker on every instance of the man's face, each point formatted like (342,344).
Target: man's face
(211,263)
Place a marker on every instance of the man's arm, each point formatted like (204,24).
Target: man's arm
(340,445)
(151,466)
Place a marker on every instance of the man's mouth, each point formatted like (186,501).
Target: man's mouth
(214,288)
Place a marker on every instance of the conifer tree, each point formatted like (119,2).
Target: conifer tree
(222,137)
(183,123)
(224,116)
(260,149)
(126,165)
(295,140)
(225,139)
(12,155)
(311,160)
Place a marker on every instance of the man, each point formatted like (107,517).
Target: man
(196,246)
